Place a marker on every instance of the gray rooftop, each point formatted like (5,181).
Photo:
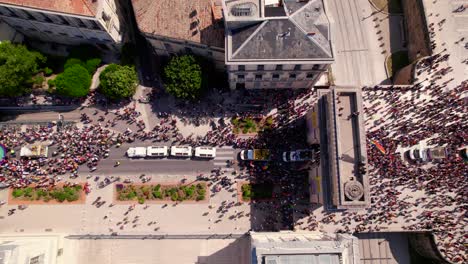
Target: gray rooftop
(299,33)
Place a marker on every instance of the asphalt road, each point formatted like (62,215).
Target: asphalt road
(168,166)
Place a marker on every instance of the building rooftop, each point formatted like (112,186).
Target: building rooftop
(180,19)
(77,7)
(298,31)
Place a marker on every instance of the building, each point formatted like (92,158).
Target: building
(343,161)
(303,247)
(276,44)
(69,22)
(181,27)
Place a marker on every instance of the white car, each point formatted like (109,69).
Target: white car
(205,152)
(157,151)
(136,152)
(181,151)
(418,154)
(298,155)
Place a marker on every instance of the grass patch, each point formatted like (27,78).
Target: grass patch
(397,61)
(61,194)
(257,191)
(389,6)
(142,193)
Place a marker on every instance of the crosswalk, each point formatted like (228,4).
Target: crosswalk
(223,155)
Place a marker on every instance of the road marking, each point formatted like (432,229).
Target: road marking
(220,163)
(223,158)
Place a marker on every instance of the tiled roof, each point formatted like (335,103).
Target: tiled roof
(190,20)
(77,7)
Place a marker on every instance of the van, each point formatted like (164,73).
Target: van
(136,152)
(205,152)
(157,151)
(181,151)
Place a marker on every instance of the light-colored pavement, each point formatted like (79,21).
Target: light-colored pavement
(211,251)
(358,61)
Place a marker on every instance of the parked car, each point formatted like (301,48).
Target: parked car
(205,152)
(181,151)
(299,155)
(136,152)
(418,154)
(157,151)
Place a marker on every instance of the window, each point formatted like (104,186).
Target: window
(29,16)
(240,77)
(63,20)
(260,67)
(292,76)
(94,25)
(258,77)
(310,75)
(241,67)
(78,36)
(297,67)
(275,76)
(188,50)
(12,14)
(315,67)
(47,19)
(63,34)
(279,67)
(210,53)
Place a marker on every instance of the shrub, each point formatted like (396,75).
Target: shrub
(38,80)
(92,64)
(200,197)
(73,82)
(17,193)
(28,192)
(48,71)
(72,62)
(51,83)
(141,200)
(174,196)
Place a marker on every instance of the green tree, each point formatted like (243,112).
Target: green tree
(17,67)
(90,65)
(118,81)
(183,77)
(73,82)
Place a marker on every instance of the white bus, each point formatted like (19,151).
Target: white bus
(205,152)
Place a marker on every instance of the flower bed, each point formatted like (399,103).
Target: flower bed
(248,125)
(157,192)
(60,194)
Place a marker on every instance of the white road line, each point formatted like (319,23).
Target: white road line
(220,163)
(224,158)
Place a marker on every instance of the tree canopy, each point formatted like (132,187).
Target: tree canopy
(183,77)
(17,67)
(117,81)
(73,82)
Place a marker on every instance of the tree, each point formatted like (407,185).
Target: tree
(117,81)
(73,82)
(183,77)
(17,67)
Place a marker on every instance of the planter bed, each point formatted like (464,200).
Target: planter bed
(58,194)
(196,192)
(257,192)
